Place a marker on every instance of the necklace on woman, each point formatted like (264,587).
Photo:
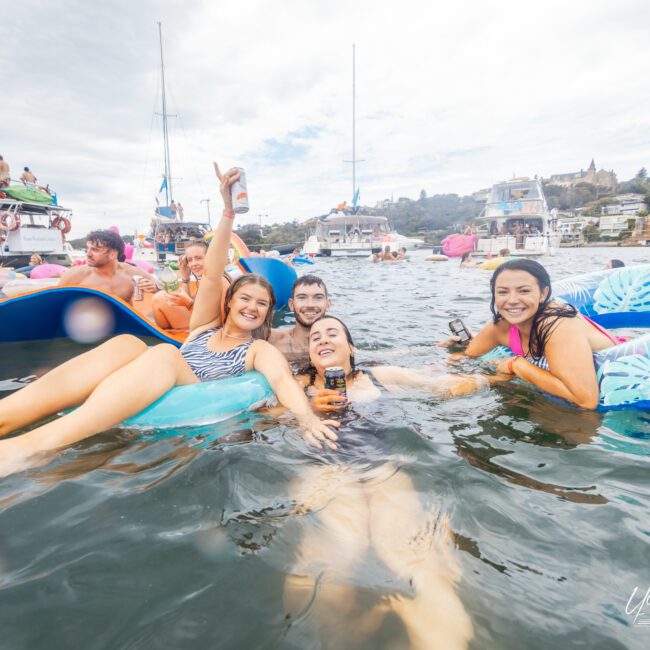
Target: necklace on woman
(231,336)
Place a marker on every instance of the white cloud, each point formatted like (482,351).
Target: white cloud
(450,98)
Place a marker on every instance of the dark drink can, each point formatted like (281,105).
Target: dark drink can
(239,193)
(335,380)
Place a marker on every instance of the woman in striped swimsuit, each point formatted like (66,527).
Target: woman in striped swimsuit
(552,343)
(122,376)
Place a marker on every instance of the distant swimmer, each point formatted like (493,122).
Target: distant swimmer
(104,269)
(466,261)
(4,171)
(615,264)
(27,176)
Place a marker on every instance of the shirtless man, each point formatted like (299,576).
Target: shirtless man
(103,270)
(4,171)
(309,301)
(27,176)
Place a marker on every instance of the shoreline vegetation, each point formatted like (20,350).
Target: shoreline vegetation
(434,217)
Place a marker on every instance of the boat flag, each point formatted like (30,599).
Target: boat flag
(355,200)
(164,185)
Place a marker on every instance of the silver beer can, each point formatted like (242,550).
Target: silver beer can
(239,193)
(137,291)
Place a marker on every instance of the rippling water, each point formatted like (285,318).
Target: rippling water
(180,541)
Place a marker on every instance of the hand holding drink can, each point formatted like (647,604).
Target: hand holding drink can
(335,380)
(239,193)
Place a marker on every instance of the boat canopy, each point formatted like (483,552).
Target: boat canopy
(28,193)
(348,219)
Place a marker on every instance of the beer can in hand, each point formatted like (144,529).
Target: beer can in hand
(137,291)
(335,380)
(239,193)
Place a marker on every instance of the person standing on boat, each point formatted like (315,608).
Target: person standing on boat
(104,270)
(173,208)
(27,176)
(180,211)
(4,172)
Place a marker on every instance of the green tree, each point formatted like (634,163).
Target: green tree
(642,174)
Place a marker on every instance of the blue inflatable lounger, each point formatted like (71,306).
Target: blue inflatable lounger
(206,403)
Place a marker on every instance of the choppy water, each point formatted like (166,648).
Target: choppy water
(138,541)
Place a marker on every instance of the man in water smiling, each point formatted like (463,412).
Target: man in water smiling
(309,301)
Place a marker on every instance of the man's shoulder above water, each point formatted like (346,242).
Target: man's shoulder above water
(283,339)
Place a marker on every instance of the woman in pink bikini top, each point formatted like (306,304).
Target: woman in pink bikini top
(552,343)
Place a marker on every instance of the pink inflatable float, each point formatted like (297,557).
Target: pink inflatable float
(47,271)
(141,264)
(456,245)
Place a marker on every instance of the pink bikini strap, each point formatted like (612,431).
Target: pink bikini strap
(613,339)
(514,341)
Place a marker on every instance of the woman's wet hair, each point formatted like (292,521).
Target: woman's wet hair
(264,330)
(311,370)
(199,242)
(547,316)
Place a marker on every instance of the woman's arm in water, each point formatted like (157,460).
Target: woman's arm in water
(273,365)
(207,304)
(571,374)
(442,385)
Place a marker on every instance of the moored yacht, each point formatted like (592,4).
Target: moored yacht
(347,235)
(516,217)
(31,222)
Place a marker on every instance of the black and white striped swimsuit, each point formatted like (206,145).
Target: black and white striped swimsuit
(208,365)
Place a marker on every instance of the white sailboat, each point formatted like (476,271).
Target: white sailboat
(170,232)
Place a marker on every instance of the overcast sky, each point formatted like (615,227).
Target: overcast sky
(451,97)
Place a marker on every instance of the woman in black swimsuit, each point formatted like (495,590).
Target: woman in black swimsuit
(363,512)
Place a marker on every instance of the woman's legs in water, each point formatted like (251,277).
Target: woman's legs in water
(382,516)
(169,317)
(120,394)
(67,385)
(416,545)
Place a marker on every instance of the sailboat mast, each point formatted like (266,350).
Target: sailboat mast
(354,120)
(168,171)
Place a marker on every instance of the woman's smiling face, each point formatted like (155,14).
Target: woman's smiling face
(195,256)
(249,306)
(329,346)
(517,296)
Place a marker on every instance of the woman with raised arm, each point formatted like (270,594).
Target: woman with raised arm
(122,376)
(552,344)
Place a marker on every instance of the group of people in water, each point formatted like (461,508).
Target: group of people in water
(122,376)
(537,331)
(388,255)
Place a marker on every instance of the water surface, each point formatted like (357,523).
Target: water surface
(177,540)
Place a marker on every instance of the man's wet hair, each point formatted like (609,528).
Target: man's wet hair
(308,281)
(110,240)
